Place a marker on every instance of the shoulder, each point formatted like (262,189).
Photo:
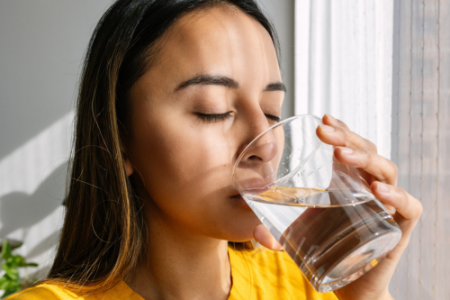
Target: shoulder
(44,292)
(273,274)
(50,291)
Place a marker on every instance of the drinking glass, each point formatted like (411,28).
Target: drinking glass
(321,211)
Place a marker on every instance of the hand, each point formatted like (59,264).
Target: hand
(381,174)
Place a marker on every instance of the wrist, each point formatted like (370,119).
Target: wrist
(388,297)
(346,296)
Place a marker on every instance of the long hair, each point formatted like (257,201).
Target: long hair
(104,233)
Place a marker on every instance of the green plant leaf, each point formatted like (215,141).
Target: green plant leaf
(31,265)
(11,290)
(8,285)
(19,261)
(11,282)
(6,250)
(12,273)
(4,283)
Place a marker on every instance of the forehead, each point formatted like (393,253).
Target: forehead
(221,39)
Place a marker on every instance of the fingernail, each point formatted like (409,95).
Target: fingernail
(346,150)
(382,188)
(276,245)
(331,118)
(327,128)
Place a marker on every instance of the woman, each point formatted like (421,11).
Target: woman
(171,93)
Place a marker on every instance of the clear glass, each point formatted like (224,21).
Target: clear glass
(321,212)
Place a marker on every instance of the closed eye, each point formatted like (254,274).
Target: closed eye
(273,118)
(212,118)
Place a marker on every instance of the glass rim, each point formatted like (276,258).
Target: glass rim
(282,122)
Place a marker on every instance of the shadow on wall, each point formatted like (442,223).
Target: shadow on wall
(23,211)
(33,180)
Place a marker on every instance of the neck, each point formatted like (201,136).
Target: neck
(179,265)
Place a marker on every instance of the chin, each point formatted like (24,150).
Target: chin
(241,232)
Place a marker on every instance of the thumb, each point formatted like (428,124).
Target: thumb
(262,235)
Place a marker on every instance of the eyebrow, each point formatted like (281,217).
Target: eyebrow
(226,82)
(276,86)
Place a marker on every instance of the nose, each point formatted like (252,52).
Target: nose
(262,150)
(256,169)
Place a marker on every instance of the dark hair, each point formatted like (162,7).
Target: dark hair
(104,232)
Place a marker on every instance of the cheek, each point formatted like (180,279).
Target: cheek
(184,164)
(192,156)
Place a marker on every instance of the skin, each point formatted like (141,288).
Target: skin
(181,163)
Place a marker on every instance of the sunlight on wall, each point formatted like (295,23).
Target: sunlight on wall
(33,183)
(28,166)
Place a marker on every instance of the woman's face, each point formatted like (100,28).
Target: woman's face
(215,85)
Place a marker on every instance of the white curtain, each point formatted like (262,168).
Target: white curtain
(343,53)
(421,142)
(383,67)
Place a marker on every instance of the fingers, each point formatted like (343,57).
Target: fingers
(351,149)
(354,150)
(329,120)
(405,204)
(265,238)
(408,208)
(381,168)
(336,133)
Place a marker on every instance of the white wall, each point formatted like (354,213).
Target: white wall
(281,13)
(41,49)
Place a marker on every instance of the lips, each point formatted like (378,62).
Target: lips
(256,184)
(238,198)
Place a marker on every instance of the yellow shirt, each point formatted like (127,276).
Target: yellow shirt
(257,275)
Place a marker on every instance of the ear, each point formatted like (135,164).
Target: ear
(128,166)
